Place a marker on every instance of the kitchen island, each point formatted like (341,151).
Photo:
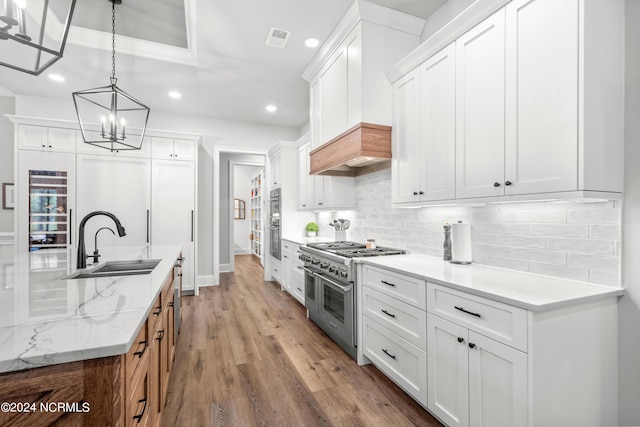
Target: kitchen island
(101,346)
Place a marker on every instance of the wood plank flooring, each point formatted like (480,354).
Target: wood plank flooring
(248,356)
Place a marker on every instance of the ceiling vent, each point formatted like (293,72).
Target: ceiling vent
(278,38)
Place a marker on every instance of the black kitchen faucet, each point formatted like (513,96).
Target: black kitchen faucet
(82,251)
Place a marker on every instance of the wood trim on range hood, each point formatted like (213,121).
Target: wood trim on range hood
(364,148)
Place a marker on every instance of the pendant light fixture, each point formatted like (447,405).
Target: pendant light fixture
(107,114)
(33,33)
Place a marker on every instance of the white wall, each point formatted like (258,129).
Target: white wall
(242,190)
(7,106)
(573,240)
(629,307)
(214,132)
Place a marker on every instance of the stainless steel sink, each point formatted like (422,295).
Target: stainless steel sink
(133,265)
(116,268)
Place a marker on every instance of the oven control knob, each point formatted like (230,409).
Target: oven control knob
(324,265)
(315,261)
(343,273)
(332,269)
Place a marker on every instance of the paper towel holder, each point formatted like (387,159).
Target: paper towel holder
(457,261)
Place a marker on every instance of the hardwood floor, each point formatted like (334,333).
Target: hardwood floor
(248,356)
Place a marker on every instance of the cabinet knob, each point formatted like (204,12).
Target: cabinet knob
(49,146)
(460,339)
(415,193)
(43,146)
(496,184)
(472,345)
(421,192)
(508,183)
(320,203)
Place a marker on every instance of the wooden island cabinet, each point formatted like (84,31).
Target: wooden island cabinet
(123,390)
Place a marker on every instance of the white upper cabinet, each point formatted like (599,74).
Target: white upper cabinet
(405,137)
(423,132)
(173,149)
(480,109)
(541,93)
(347,81)
(539,97)
(42,138)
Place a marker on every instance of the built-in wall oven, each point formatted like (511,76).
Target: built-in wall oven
(275,223)
(330,290)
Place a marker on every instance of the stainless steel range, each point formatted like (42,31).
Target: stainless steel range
(330,278)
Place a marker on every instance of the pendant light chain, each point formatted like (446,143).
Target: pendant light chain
(113,42)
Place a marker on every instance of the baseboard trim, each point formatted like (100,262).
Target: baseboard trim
(225,268)
(203,281)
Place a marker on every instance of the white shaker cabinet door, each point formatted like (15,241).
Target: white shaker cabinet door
(438,126)
(173,211)
(541,96)
(448,371)
(121,186)
(497,384)
(304,180)
(334,97)
(480,61)
(406,160)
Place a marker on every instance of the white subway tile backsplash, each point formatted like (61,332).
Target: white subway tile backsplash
(541,255)
(546,216)
(597,215)
(599,262)
(510,263)
(608,278)
(564,239)
(605,231)
(559,230)
(511,240)
(604,247)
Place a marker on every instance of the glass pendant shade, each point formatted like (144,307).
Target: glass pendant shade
(33,33)
(110,118)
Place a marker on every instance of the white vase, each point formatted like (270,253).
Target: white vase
(311,234)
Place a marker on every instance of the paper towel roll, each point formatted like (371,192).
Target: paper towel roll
(460,243)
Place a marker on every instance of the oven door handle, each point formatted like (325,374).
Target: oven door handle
(344,289)
(307,270)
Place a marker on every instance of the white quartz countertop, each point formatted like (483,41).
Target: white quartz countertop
(303,240)
(47,321)
(526,290)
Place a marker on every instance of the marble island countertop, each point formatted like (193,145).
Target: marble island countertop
(46,321)
(530,291)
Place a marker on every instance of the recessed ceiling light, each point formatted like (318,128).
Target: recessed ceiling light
(57,78)
(175,95)
(271,108)
(311,42)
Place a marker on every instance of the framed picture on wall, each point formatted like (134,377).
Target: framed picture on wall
(8,196)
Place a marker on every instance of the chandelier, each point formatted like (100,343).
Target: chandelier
(107,114)
(33,33)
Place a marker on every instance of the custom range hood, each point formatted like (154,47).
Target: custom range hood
(364,148)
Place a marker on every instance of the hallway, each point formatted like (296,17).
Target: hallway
(247,355)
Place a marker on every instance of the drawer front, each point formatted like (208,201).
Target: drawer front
(399,317)
(138,352)
(502,322)
(405,288)
(139,405)
(297,287)
(156,311)
(400,360)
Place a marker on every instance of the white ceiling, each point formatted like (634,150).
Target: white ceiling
(212,51)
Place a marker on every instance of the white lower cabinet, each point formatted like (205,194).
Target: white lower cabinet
(474,380)
(276,270)
(292,276)
(400,360)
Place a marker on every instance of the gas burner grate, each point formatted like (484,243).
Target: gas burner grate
(353,253)
(334,246)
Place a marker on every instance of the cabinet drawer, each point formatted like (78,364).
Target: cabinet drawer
(137,354)
(156,312)
(399,317)
(276,270)
(400,360)
(405,288)
(297,287)
(502,322)
(139,405)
